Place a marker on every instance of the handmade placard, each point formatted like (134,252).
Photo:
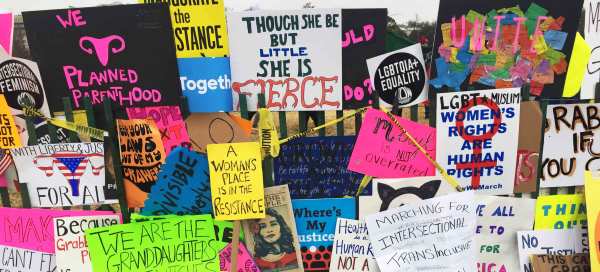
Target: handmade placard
(26,260)
(245,261)
(400,75)
(479,130)
(592,190)
(352,250)
(32,228)
(555,242)
(591,33)
(410,237)
(363,37)
(383,151)
(142,153)
(574,262)
(198,27)
(59,175)
(6,35)
(315,220)
(294,57)
(569,145)
(9,135)
(70,246)
(104,53)
(277,229)
(150,245)
(393,193)
(528,152)
(307,163)
(206,82)
(498,220)
(169,122)
(213,128)
(182,186)
(560,212)
(504,44)
(236,181)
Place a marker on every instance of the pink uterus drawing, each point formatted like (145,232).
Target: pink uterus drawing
(101,45)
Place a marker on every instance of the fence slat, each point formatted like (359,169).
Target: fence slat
(113,137)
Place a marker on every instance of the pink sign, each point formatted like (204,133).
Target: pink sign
(33,228)
(245,261)
(6,31)
(169,121)
(383,151)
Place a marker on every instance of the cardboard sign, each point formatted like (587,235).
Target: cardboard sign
(182,187)
(393,193)
(307,163)
(400,75)
(9,136)
(383,151)
(498,220)
(278,228)
(6,35)
(26,260)
(236,181)
(151,245)
(479,131)
(437,232)
(59,175)
(555,242)
(560,212)
(294,57)
(33,228)
(206,82)
(213,128)
(169,121)
(142,153)
(569,142)
(363,37)
(245,261)
(592,190)
(576,262)
(504,44)
(70,245)
(198,28)
(315,220)
(528,154)
(352,250)
(104,53)
(591,33)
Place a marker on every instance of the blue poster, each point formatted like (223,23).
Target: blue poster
(317,167)
(315,222)
(183,186)
(206,82)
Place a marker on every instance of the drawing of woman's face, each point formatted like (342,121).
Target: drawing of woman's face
(270,229)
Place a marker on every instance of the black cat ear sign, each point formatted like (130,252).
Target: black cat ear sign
(385,191)
(432,186)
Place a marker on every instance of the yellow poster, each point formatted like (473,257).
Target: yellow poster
(560,212)
(236,182)
(592,191)
(9,135)
(198,27)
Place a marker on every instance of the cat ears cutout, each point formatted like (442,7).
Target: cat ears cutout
(387,193)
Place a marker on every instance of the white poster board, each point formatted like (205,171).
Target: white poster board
(591,33)
(435,234)
(352,250)
(294,57)
(555,242)
(479,132)
(26,260)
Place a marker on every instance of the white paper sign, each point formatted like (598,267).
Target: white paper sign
(431,235)
(293,57)
(572,135)
(592,37)
(62,174)
(352,250)
(479,132)
(392,193)
(498,220)
(70,245)
(555,242)
(25,260)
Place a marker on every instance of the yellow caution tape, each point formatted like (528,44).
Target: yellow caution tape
(267,134)
(95,133)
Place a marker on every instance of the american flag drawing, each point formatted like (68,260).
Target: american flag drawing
(5,161)
(72,165)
